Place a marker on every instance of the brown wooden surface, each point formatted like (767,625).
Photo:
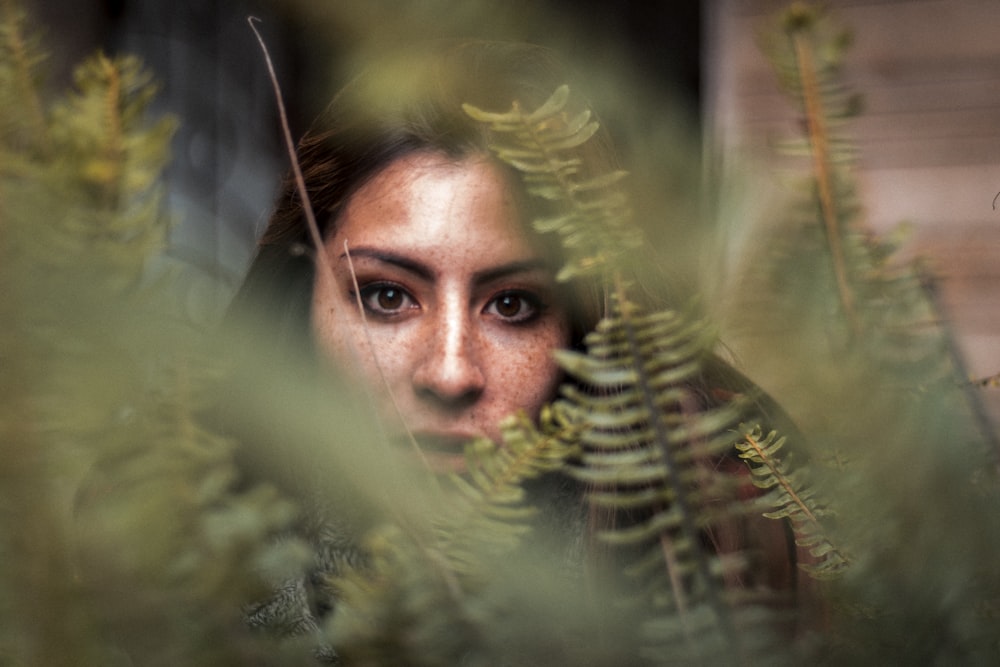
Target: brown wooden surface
(929,72)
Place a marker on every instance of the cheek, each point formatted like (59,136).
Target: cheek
(332,341)
(347,347)
(526,373)
(345,344)
(339,340)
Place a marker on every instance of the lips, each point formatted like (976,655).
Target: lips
(443,452)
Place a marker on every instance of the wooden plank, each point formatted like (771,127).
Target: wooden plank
(929,135)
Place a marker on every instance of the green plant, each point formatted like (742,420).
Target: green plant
(121,518)
(870,372)
(129,537)
(645,439)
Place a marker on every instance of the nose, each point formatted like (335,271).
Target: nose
(449,374)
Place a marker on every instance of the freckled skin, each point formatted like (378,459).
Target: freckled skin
(462,312)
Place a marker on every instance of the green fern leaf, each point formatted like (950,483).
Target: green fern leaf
(594,221)
(24,120)
(645,446)
(793,498)
(646,439)
(493,490)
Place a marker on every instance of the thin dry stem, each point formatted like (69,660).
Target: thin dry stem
(819,141)
(114,148)
(325,270)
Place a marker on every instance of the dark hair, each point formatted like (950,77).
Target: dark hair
(398,106)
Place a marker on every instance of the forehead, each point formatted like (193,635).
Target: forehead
(431,204)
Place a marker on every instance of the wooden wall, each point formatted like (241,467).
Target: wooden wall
(929,72)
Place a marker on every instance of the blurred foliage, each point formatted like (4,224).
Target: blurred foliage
(119,506)
(135,532)
(897,442)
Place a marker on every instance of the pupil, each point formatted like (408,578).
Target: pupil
(508,306)
(389,298)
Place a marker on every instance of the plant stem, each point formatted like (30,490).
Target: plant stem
(819,142)
(661,440)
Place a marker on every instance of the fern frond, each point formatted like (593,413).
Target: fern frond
(647,447)
(793,499)
(808,77)
(438,598)
(593,216)
(648,441)
(885,305)
(134,492)
(102,128)
(110,157)
(527,451)
(496,505)
(23,119)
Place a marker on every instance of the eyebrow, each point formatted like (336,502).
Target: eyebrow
(423,271)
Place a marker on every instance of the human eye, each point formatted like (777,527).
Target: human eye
(386,299)
(515,307)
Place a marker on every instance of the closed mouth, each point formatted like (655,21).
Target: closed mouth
(443,452)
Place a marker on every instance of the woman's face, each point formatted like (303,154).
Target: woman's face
(461,309)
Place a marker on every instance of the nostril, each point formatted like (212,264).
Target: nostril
(448,399)
(449,379)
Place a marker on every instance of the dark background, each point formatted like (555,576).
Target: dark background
(227,157)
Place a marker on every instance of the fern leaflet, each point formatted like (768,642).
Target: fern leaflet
(594,218)
(648,449)
(793,499)
(494,506)
(649,442)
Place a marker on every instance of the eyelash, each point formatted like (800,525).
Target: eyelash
(371,292)
(532,302)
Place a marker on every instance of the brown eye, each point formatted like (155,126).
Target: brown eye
(509,305)
(386,299)
(389,298)
(515,307)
